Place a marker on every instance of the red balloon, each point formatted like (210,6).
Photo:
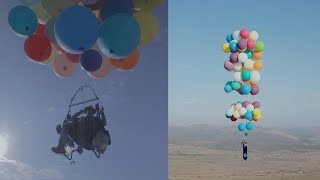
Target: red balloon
(75,58)
(37,47)
(233,118)
(41,29)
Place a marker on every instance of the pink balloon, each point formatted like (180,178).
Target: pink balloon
(244,33)
(63,67)
(251,44)
(103,70)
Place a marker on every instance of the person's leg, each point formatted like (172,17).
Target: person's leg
(63,138)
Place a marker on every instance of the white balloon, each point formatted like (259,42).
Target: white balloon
(238,106)
(232,107)
(254,35)
(236,35)
(242,111)
(242,57)
(248,64)
(236,114)
(255,77)
(237,66)
(250,107)
(237,76)
(229,112)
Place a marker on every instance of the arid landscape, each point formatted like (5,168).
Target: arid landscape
(203,152)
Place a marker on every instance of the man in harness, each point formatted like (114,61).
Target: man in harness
(88,132)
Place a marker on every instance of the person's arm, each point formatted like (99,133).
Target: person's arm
(76,115)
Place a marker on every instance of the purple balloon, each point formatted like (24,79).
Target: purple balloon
(245,103)
(242,44)
(234,57)
(254,89)
(228,65)
(256,104)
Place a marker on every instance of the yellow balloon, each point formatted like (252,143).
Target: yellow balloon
(149,26)
(41,13)
(146,5)
(257,118)
(55,7)
(236,114)
(52,57)
(256,112)
(225,47)
(248,64)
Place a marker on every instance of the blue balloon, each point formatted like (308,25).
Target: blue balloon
(90,60)
(76,29)
(112,7)
(22,20)
(245,89)
(233,46)
(29,2)
(239,102)
(227,88)
(249,126)
(248,115)
(119,36)
(229,38)
(242,127)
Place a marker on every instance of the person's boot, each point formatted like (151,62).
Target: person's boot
(58,150)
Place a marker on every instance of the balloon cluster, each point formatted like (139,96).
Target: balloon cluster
(244,61)
(97,34)
(244,110)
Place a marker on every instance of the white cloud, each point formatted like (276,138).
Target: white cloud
(51,109)
(17,170)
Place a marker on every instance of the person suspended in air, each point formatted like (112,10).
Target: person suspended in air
(87,132)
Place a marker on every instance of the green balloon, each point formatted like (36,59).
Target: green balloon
(229,83)
(249,53)
(246,75)
(259,46)
(235,85)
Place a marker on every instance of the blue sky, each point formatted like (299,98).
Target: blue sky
(34,100)
(289,87)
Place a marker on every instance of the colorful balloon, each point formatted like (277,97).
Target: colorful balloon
(113,7)
(242,57)
(227,88)
(228,65)
(248,115)
(41,13)
(237,66)
(249,53)
(254,35)
(242,44)
(22,20)
(255,77)
(149,26)
(258,65)
(76,29)
(63,67)
(234,57)
(146,5)
(244,33)
(37,47)
(126,63)
(259,46)
(49,30)
(91,60)
(257,55)
(246,74)
(233,46)
(251,44)
(235,85)
(236,35)
(245,89)
(56,7)
(256,104)
(254,89)
(249,126)
(242,127)
(237,76)
(229,38)
(225,47)
(119,44)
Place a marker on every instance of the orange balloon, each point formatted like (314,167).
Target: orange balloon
(103,70)
(251,101)
(258,65)
(63,67)
(257,54)
(126,63)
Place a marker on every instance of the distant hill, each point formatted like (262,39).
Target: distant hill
(259,139)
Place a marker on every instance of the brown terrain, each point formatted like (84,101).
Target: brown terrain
(203,152)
